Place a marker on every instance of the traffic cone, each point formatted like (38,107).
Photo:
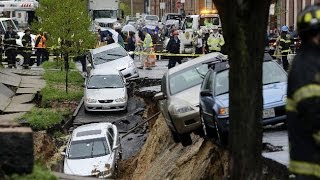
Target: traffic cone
(152,58)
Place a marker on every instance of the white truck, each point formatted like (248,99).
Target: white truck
(22,11)
(104,13)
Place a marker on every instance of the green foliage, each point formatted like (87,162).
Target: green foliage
(57,64)
(52,76)
(51,94)
(42,119)
(39,173)
(125,8)
(54,90)
(67,23)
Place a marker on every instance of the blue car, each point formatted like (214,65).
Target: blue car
(214,99)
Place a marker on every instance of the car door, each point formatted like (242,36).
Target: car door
(207,101)
(163,104)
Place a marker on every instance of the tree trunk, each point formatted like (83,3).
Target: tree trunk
(244,24)
(66,65)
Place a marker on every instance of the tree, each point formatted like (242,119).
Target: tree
(67,22)
(125,9)
(244,24)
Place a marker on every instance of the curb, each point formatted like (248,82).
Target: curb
(69,123)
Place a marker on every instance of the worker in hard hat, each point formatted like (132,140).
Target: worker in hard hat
(284,46)
(215,40)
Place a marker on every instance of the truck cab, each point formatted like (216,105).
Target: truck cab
(104,14)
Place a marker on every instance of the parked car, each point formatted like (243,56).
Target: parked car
(112,56)
(93,150)
(105,90)
(214,98)
(179,96)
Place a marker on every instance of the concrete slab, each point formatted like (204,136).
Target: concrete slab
(10,73)
(24,98)
(9,119)
(9,80)
(27,90)
(24,85)
(4,90)
(30,77)
(19,108)
(4,102)
(26,72)
(32,81)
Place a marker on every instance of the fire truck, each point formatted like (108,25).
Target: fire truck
(21,11)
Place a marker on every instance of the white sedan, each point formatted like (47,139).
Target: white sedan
(93,150)
(105,91)
(112,56)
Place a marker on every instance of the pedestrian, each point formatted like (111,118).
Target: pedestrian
(174,48)
(199,42)
(147,45)
(40,44)
(109,39)
(27,51)
(46,53)
(215,40)
(131,43)
(10,46)
(284,46)
(303,102)
(117,28)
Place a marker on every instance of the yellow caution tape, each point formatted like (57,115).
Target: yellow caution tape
(167,54)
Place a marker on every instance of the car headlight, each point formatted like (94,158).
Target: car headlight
(91,100)
(224,111)
(123,99)
(284,98)
(178,109)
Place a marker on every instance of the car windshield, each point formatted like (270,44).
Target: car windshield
(272,73)
(188,23)
(109,55)
(211,20)
(88,148)
(105,81)
(174,16)
(187,78)
(104,14)
(152,18)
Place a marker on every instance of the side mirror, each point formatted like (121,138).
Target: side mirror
(63,153)
(115,148)
(206,93)
(159,96)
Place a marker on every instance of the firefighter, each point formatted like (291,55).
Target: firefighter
(27,51)
(11,46)
(284,46)
(303,101)
(215,40)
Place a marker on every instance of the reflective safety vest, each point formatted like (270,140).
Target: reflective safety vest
(42,41)
(215,42)
(285,44)
(147,43)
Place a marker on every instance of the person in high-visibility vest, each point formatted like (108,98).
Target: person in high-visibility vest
(303,99)
(147,45)
(284,46)
(40,44)
(215,40)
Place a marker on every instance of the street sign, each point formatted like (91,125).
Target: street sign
(162,5)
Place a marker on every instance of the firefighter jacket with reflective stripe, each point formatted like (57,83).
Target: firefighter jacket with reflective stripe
(303,110)
(26,42)
(147,43)
(215,41)
(10,40)
(285,43)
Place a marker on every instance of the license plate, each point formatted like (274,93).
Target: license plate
(268,113)
(105,107)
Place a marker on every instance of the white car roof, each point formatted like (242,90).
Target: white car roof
(193,62)
(104,48)
(104,71)
(90,131)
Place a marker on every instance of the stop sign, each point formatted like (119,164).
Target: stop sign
(178,4)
